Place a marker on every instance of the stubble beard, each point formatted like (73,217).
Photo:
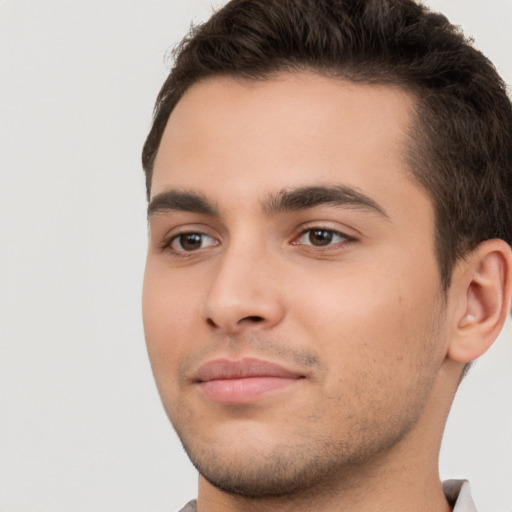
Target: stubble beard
(306,466)
(313,461)
(287,471)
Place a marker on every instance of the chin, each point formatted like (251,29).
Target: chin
(252,470)
(276,475)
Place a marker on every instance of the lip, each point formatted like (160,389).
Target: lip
(244,380)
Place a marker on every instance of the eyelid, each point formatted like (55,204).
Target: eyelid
(175,239)
(319,226)
(345,231)
(178,231)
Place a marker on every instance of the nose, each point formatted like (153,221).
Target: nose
(244,293)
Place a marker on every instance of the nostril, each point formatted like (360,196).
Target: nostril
(253,318)
(244,321)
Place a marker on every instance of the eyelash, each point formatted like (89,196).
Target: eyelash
(168,244)
(331,233)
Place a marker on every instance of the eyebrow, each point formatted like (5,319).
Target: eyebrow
(181,201)
(305,198)
(302,198)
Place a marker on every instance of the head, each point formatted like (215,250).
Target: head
(330,212)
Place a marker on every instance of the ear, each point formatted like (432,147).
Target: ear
(483,287)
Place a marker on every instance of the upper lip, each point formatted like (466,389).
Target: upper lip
(218,369)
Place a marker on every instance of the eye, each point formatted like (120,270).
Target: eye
(189,242)
(321,237)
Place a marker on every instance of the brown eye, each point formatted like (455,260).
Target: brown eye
(320,237)
(188,242)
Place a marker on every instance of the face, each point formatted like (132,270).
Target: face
(292,297)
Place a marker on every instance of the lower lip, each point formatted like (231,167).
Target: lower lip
(239,391)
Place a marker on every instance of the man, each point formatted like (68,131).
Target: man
(330,191)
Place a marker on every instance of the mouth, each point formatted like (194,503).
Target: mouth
(243,381)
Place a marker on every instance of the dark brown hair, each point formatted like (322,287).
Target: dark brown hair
(460,147)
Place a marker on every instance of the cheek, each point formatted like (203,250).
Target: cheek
(376,344)
(169,315)
(369,315)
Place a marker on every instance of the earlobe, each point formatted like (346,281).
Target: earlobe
(485,284)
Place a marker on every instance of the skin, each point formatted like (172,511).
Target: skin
(362,319)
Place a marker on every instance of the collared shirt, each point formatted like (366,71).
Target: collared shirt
(459,496)
(457,493)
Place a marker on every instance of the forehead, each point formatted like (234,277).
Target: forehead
(292,130)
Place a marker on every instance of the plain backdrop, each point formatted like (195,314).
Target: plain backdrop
(82,429)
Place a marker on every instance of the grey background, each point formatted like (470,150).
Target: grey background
(81,425)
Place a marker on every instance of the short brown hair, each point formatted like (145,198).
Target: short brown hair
(461,143)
